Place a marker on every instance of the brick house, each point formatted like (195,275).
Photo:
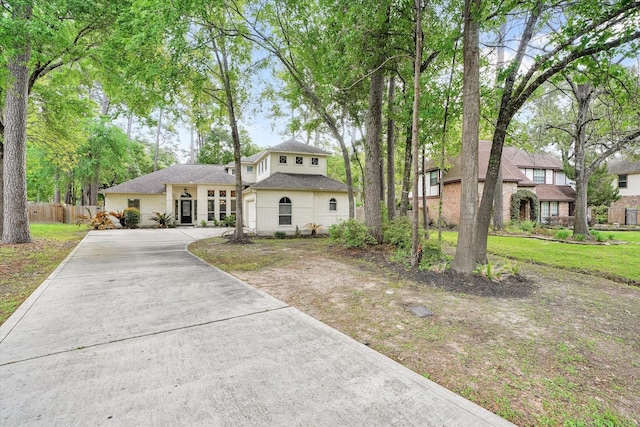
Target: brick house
(627,180)
(534,186)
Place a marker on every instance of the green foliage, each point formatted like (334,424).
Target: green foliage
(203,224)
(527,226)
(229,221)
(601,213)
(578,237)
(600,192)
(516,202)
(279,234)
(99,221)
(397,232)
(164,220)
(218,147)
(562,234)
(433,257)
(598,236)
(131,217)
(351,234)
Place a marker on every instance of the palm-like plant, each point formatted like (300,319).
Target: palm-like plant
(313,227)
(164,220)
(99,221)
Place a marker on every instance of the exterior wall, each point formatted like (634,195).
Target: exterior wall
(633,185)
(432,190)
(627,202)
(249,177)
(307,207)
(561,179)
(149,203)
(563,209)
(292,167)
(450,204)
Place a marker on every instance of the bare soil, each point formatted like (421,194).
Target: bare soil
(547,347)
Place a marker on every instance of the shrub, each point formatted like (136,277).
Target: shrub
(527,226)
(131,217)
(313,227)
(119,216)
(279,234)
(203,224)
(164,220)
(599,237)
(100,221)
(230,221)
(562,234)
(600,214)
(398,232)
(352,234)
(578,237)
(433,257)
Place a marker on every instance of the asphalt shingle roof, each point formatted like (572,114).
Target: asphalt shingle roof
(290,181)
(293,146)
(555,193)
(154,183)
(622,167)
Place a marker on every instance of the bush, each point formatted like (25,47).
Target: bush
(398,232)
(279,234)
(229,221)
(562,234)
(527,226)
(351,234)
(600,214)
(578,237)
(433,256)
(100,221)
(131,217)
(164,220)
(599,237)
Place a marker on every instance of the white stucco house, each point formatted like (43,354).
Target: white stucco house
(284,186)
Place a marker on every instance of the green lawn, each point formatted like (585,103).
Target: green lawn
(24,267)
(620,262)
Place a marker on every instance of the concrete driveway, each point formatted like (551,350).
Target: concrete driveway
(132,330)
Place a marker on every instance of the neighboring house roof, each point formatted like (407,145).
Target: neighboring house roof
(154,183)
(623,167)
(293,146)
(555,193)
(290,181)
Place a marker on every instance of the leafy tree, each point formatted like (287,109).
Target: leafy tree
(574,32)
(218,147)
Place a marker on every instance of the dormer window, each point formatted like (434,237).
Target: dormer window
(298,160)
(283,160)
(314,161)
(250,169)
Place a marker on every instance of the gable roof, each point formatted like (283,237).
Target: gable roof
(291,181)
(293,146)
(555,193)
(622,167)
(154,183)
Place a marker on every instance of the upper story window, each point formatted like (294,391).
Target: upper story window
(283,160)
(538,176)
(284,211)
(250,169)
(333,204)
(622,181)
(433,178)
(223,193)
(298,160)
(314,161)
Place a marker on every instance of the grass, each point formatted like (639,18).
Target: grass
(24,267)
(618,262)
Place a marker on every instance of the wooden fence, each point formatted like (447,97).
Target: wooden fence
(57,212)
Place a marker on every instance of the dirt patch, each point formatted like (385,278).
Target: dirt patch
(550,348)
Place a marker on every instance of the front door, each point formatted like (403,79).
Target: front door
(185,212)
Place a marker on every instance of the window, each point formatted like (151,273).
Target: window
(283,160)
(232,171)
(622,181)
(314,161)
(233,193)
(544,211)
(133,203)
(223,193)
(333,204)
(538,176)
(250,169)
(177,204)
(211,193)
(223,208)
(211,213)
(284,211)
(298,160)
(433,178)
(195,210)
(553,208)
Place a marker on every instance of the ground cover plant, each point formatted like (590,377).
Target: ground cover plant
(562,349)
(24,267)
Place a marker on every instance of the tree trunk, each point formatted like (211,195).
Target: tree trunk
(391,148)
(583,94)
(498,204)
(1,184)
(16,220)
(158,131)
(415,137)
(406,173)
(464,260)
(372,179)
